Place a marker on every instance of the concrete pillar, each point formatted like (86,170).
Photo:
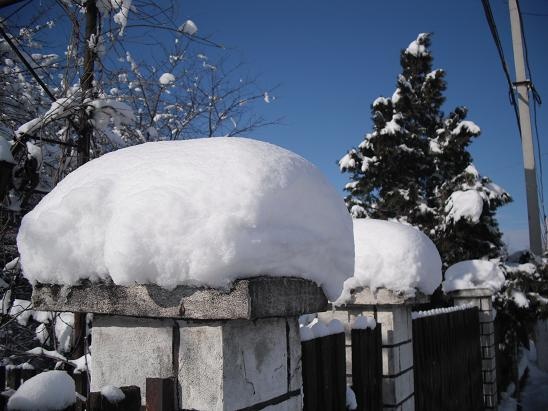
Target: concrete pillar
(482,298)
(393,311)
(541,343)
(225,350)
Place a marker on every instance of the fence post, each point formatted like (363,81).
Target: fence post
(226,349)
(482,298)
(393,311)
(131,402)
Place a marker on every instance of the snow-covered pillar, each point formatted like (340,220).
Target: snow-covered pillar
(225,350)
(482,298)
(393,311)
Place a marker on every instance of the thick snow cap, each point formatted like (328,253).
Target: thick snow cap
(49,390)
(194,212)
(471,274)
(394,256)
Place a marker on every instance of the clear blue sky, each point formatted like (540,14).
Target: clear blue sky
(331,59)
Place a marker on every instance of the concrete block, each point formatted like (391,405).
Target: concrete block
(365,296)
(127,351)
(251,298)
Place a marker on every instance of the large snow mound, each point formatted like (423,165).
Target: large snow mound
(394,256)
(194,212)
(471,274)
(50,390)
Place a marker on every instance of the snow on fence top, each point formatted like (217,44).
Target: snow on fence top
(438,311)
(394,256)
(471,274)
(318,329)
(193,212)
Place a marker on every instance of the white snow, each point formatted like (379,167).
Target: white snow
(166,79)
(396,96)
(416,48)
(363,322)
(380,101)
(64,325)
(189,27)
(520,299)
(392,127)
(305,333)
(47,353)
(49,390)
(122,16)
(471,274)
(193,212)
(33,151)
(112,394)
(464,205)
(42,333)
(351,403)
(318,329)
(395,256)
(469,126)
(347,162)
(82,364)
(438,311)
(5,151)
(335,327)
(21,310)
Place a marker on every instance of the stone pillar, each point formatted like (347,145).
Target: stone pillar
(393,311)
(225,350)
(482,298)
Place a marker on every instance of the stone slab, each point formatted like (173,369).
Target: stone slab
(471,293)
(383,296)
(252,298)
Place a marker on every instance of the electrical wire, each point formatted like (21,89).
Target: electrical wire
(494,32)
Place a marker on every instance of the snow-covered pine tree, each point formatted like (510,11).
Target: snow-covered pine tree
(414,166)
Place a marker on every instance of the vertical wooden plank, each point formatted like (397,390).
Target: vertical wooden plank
(338,373)
(14,378)
(326,367)
(132,401)
(310,375)
(160,394)
(93,402)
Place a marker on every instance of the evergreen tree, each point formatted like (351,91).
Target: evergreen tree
(414,166)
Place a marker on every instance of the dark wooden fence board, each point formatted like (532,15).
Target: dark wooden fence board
(447,362)
(367,368)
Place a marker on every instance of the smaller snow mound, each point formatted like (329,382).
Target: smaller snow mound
(469,126)
(394,256)
(166,79)
(50,390)
(473,274)
(112,394)
(363,322)
(438,311)
(464,205)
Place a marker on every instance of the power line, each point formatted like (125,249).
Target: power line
(494,32)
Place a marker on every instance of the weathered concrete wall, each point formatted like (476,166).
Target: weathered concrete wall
(219,365)
(127,350)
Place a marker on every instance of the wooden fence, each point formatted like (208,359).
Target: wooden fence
(447,361)
(324,371)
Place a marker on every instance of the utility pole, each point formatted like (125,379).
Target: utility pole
(522,85)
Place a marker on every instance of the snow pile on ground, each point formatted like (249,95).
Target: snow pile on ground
(473,274)
(394,256)
(464,204)
(166,79)
(194,212)
(50,390)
